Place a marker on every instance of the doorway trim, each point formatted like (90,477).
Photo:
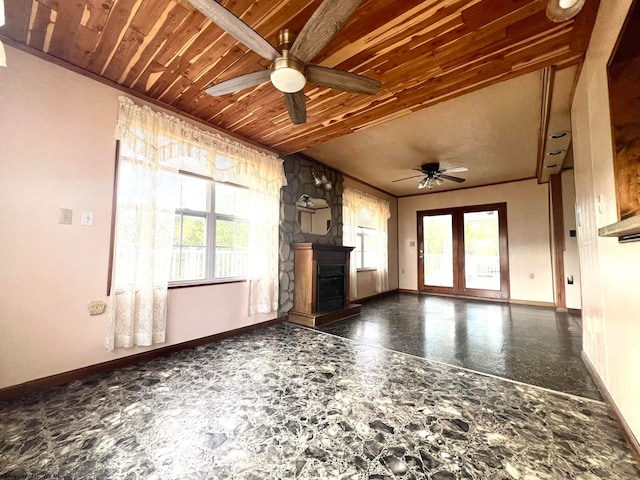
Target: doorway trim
(458,288)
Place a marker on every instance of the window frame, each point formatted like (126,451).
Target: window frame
(360,235)
(211,218)
(210,226)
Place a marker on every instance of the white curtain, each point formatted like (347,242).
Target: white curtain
(361,209)
(3,57)
(349,234)
(154,147)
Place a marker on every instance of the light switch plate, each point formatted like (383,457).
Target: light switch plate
(87,218)
(65,216)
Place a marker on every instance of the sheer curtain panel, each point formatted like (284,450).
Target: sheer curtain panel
(359,209)
(350,207)
(154,147)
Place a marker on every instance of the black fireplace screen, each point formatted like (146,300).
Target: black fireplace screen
(330,293)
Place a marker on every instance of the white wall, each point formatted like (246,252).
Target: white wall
(528,228)
(611,336)
(57,151)
(367,280)
(571,257)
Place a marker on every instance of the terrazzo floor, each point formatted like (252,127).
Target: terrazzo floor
(533,345)
(291,402)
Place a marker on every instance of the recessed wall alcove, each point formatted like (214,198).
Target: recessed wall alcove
(623,73)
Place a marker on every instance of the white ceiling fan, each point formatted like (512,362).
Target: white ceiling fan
(433,175)
(289,71)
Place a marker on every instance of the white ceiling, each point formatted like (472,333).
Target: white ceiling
(494,132)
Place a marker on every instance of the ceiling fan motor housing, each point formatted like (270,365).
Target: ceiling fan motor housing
(288,73)
(430,169)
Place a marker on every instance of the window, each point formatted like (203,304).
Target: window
(211,235)
(365,251)
(365,227)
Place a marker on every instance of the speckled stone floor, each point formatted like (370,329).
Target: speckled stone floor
(290,402)
(533,345)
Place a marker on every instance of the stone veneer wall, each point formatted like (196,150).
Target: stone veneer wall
(300,181)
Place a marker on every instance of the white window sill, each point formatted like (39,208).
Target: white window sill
(202,283)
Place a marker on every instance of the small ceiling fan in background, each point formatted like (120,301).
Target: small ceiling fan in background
(434,176)
(288,71)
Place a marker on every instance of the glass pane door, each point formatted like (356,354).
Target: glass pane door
(482,250)
(438,250)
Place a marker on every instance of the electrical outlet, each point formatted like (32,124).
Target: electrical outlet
(97,307)
(532,276)
(87,218)
(65,216)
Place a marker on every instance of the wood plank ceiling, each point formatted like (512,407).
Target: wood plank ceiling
(423,52)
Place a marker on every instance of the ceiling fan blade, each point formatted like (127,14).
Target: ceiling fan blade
(455,170)
(347,81)
(323,25)
(239,83)
(407,178)
(453,179)
(297,107)
(236,28)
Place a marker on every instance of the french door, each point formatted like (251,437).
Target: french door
(464,251)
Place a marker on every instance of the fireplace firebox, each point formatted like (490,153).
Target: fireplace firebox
(331,282)
(321,284)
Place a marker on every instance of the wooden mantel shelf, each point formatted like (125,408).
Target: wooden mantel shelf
(628,226)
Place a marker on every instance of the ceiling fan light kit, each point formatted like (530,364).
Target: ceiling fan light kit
(563,10)
(287,74)
(434,176)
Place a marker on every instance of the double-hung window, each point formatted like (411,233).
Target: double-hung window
(365,250)
(211,231)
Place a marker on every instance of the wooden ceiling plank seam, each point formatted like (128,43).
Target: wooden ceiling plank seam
(98,13)
(63,42)
(484,13)
(182,60)
(92,23)
(114,27)
(149,15)
(146,39)
(181,37)
(86,41)
(127,47)
(435,14)
(175,17)
(17,15)
(168,49)
(124,27)
(412,37)
(31,21)
(396,57)
(51,4)
(444,46)
(504,47)
(39,26)
(380,34)
(49,33)
(168,77)
(196,49)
